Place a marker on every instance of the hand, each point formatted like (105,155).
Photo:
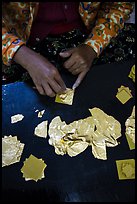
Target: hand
(44,75)
(79,62)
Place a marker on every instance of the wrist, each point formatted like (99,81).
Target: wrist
(92,51)
(23,56)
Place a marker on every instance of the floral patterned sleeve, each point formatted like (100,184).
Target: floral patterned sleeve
(110,20)
(10,44)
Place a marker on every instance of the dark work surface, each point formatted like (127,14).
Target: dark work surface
(78,179)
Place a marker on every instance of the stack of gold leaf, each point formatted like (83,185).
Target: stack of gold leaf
(132,73)
(33,168)
(130,129)
(97,131)
(12,150)
(124,94)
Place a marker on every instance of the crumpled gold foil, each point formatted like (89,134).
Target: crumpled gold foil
(130,129)
(132,73)
(98,131)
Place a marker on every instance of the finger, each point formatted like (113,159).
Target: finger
(76,71)
(55,86)
(79,79)
(75,66)
(78,66)
(69,63)
(48,90)
(60,81)
(65,53)
(40,89)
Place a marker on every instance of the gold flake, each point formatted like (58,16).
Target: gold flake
(16,118)
(40,113)
(41,129)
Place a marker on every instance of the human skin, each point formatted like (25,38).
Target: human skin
(79,62)
(46,76)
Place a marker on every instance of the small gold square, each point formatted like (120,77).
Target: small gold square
(66,97)
(126,169)
(123,96)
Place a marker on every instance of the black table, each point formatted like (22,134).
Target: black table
(78,179)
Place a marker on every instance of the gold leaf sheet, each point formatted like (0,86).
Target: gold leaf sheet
(66,97)
(33,168)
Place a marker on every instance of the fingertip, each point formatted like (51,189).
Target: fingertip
(64,54)
(74,86)
(60,53)
(63,88)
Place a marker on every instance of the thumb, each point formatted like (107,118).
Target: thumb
(66,53)
(79,80)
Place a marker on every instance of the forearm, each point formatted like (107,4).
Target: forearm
(25,57)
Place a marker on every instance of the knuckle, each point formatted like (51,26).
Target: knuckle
(54,72)
(82,61)
(77,57)
(66,65)
(51,74)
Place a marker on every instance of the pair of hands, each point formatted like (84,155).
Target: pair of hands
(46,76)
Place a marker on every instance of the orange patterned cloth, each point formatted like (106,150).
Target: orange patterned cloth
(105,20)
